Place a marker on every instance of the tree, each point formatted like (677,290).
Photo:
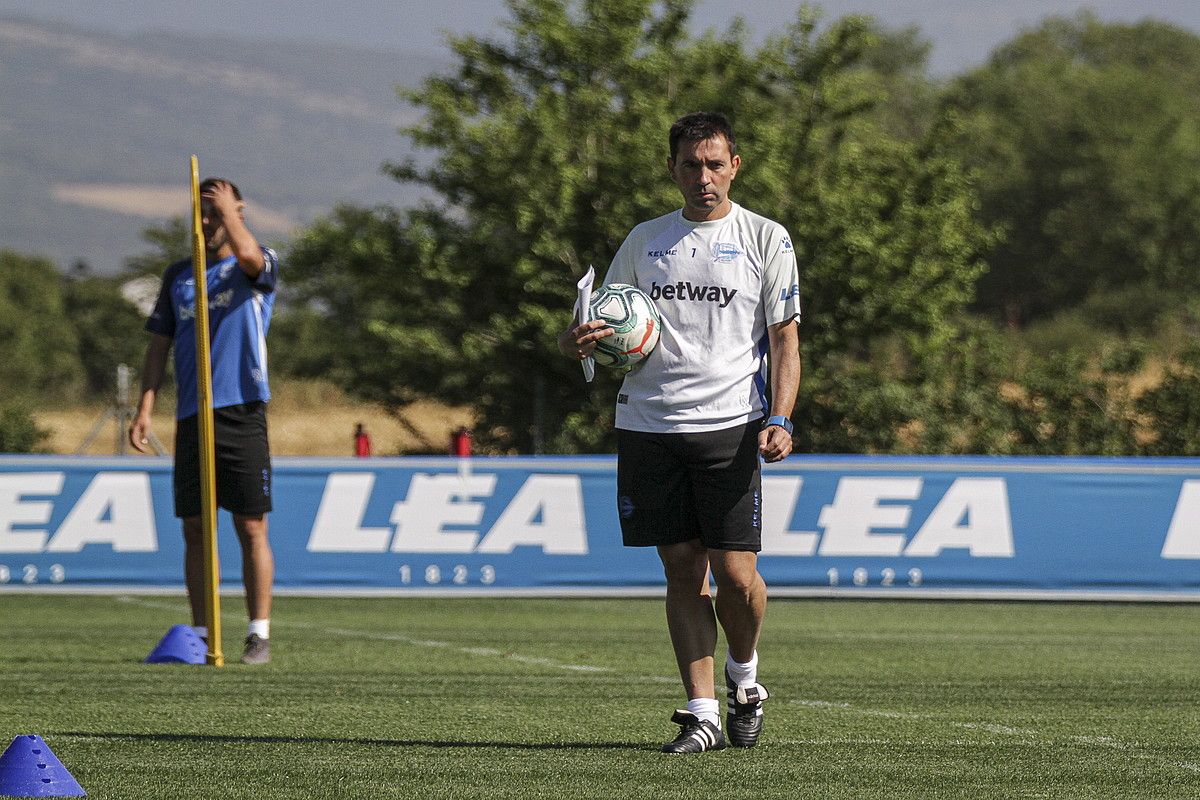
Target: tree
(1173,408)
(109,329)
(38,345)
(539,143)
(884,224)
(944,396)
(19,431)
(1076,404)
(550,146)
(169,242)
(376,304)
(1085,136)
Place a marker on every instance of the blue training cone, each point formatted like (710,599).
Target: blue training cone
(181,645)
(29,769)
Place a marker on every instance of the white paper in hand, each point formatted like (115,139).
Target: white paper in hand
(583,313)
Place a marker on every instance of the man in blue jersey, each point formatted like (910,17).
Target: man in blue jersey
(696,417)
(241,278)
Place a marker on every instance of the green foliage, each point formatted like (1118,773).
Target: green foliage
(884,227)
(19,431)
(110,330)
(543,147)
(1067,405)
(1173,408)
(980,392)
(962,385)
(463,302)
(938,396)
(1055,188)
(378,301)
(1129,311)
(38,344)
(550,146)
(169,242)
(1085,137)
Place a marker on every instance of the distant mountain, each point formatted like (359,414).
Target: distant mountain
(96,131)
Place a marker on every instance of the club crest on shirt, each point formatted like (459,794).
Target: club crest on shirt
(725,252)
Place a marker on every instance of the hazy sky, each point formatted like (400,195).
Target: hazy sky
(963,32)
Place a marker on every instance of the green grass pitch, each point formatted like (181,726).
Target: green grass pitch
(524,698)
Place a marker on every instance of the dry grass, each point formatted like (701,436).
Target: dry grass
(307,418)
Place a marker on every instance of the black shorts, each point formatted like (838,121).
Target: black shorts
(243,461)
(676,487)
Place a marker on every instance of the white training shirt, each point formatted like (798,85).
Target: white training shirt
(717,285)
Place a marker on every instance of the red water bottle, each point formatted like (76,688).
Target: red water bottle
(460,442)
(362,442)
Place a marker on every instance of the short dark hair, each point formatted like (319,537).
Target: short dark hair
(208,183)
(700,126)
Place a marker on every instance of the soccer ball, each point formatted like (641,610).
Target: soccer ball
(635,322)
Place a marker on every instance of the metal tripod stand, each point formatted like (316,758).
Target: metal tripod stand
(122,413)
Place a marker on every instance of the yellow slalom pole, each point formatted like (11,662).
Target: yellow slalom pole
(204,400)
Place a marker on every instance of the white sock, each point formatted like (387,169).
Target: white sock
(743,674)
(201,631)
(706,709)
(260,626)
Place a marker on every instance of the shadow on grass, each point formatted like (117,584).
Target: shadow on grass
(223,739)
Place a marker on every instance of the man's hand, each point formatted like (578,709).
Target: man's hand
(139,433)
(580,341)
(774,443)
(224,202)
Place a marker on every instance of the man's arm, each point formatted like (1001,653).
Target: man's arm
(245,247)
(774,442)
(153,370)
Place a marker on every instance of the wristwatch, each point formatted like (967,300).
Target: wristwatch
(781,421)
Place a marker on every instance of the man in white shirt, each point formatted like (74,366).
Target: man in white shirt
(695,417)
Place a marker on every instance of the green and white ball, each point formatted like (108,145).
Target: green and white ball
(635,322)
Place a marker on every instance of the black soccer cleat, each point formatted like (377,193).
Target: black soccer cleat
(695,735)
(258,650)
(744,720)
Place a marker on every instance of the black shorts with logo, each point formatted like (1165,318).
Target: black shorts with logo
(243,461)
(676,487)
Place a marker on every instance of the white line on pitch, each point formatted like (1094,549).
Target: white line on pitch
(1029,734)
(538,661)
(486,652)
